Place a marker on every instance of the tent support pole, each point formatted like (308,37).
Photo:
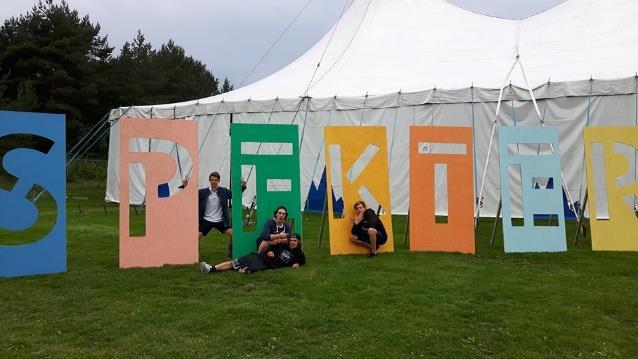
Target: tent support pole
(323,218)
(579,220)
(407,228)
(496,220)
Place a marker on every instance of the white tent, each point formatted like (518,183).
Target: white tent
(403,62)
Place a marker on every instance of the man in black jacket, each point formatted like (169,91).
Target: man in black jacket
(367,229)
(213,209)
(290,255)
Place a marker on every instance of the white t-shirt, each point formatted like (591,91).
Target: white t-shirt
(213,212)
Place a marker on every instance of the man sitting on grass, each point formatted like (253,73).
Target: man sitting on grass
(290,255)
(275,232)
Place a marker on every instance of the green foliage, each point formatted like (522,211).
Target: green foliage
(575,304)
(54,60)
(50,61)
(148,76)
(226,87)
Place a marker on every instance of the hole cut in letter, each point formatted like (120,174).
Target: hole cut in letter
(610,158)
(33,172)
(356,169)
(526,236)
(170,225)
(273,151)
(441,188)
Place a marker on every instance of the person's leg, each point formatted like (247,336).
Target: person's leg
(354,239)
(372,233)
(207,268)
(224,266)
(204,227)
(263,247)
(229,245)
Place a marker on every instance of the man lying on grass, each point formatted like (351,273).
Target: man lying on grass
(278,257)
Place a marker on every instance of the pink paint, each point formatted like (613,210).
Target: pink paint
(171,223)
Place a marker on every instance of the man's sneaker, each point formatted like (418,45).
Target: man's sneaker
(205,267)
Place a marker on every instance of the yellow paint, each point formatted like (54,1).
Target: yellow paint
(620,231)
(353,141)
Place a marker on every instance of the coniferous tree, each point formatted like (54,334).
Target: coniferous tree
(226,87)
(54,60)
(50,60)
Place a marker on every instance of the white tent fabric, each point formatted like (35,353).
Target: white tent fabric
(426,62)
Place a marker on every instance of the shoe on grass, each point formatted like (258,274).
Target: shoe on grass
(205,267)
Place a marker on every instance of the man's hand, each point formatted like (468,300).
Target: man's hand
(295,265)
(271,254)
(184,183)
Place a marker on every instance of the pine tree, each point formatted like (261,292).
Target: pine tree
(226,87)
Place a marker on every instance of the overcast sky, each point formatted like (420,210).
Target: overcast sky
(231,36)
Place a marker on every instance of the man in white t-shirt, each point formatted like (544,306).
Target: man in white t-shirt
(213,204)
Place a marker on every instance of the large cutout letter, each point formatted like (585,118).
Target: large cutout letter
(29,243)
(612,188)
(450,150)
(357,168)
(171,223)
(273,150)
(529,158)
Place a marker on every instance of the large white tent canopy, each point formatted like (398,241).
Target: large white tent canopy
(398,63)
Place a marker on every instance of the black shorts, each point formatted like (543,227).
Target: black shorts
(365,237)
(205,226)
(254,262)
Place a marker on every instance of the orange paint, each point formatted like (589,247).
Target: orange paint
(457,235)
(171,223)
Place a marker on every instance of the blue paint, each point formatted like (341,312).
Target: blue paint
(163,190)
(29,167)
(316,196)
(531,238)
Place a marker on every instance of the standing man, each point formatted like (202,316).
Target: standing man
(367,229)
(213,209)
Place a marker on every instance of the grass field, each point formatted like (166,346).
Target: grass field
(575,304)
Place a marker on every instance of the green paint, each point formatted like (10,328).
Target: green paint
(267,166)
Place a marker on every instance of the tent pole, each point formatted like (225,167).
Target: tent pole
(323,218)
(407,228)
(579,220)
(496,220)
(542,124)
(489,149)
(474,150)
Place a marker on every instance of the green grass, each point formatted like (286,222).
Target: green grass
(575,304)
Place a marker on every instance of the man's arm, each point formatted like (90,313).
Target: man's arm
(299,261)
(184,183)
(370,219)
(266,230)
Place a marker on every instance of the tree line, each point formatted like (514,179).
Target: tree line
(54,60)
